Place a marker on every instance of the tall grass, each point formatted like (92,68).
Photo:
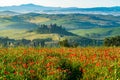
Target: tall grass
(60,63)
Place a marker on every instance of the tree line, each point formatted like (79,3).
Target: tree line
(111,41)
(6,42)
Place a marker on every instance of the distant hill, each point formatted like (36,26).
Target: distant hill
(74,21)
(8,13)
(68,21)
(26,8)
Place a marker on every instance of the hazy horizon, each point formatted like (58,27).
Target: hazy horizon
(63,3)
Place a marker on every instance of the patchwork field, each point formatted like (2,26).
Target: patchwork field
(90,63)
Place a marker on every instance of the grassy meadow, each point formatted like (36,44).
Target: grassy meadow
(95,33)
(89,63)
(24,34)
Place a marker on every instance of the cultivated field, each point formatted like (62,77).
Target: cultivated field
(90,63)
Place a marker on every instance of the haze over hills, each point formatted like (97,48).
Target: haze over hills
(8,13)
(26,8)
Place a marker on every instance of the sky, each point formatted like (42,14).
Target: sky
(64,3)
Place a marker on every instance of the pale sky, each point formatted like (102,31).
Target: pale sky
(64,3)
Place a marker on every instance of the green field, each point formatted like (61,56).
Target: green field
(96,33)
(23,34)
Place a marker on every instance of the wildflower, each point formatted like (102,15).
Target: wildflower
(51,73)
(59,68)
(14,67)
(72,55)
(37,62)
(6,72)
(49,64)
(24,65)
(48,68)
(14,72)
(97,64)
(32,71)
(31,63)
(21,73)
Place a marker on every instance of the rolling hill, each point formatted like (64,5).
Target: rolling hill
(97,33)
(87,25)
(8,13)
(74,21)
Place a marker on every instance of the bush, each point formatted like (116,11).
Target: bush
(112,41)
(66,43)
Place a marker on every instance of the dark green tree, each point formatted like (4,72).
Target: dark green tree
(112,41)
(64,43)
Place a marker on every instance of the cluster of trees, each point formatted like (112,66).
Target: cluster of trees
(52,28)
(6,42)
(65,43)
(112,41)
(80,42)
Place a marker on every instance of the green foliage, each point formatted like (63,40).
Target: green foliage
(52,28)
(6,42)
(64,43)
(112,41)
(73,70)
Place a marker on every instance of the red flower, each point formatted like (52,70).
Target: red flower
(21,73)
(15,73)
(97,64)
(49,64)
(5,72)
(31,63)
(24,65)
(51,73)
(72,55)
(32,71)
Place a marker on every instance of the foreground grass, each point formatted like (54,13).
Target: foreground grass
(60,63)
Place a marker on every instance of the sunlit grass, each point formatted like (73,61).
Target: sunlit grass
(38,20)
(24,34)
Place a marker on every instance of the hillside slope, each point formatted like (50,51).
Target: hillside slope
(97,33)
